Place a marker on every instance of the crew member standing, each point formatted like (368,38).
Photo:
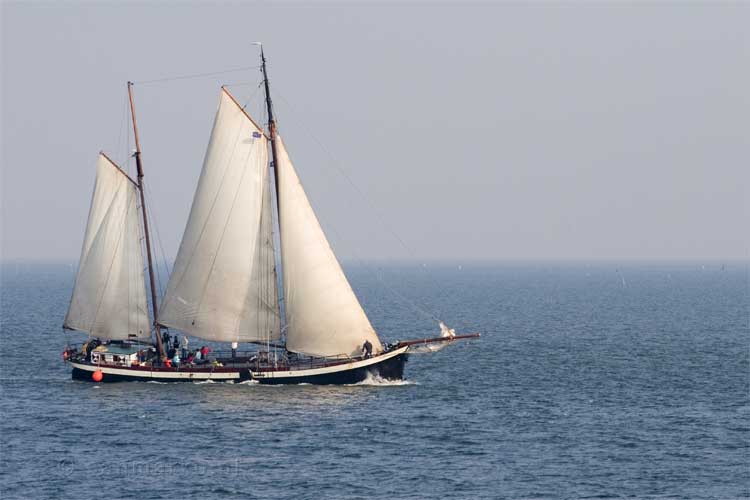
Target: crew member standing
(367,350)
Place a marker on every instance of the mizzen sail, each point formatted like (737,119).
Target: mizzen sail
(223,285)
(324,317)
(109,296)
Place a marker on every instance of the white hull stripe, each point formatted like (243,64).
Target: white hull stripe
(331,369)
(160,374)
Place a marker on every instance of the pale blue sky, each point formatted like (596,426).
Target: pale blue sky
(485,131)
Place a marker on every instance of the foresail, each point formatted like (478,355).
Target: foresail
(324,317)
(223,285)
(109,296)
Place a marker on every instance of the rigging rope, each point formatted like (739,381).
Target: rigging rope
(337,165)
(427,312)
(144,266)
(124,122)
(252,96)
(152,223)
(379,276)
(246,83)
(195,75)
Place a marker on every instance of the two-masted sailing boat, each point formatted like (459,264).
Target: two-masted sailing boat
(224,284)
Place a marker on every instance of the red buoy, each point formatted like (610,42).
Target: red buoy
(97,376)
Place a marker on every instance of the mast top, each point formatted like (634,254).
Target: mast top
(135,130)
(269,102)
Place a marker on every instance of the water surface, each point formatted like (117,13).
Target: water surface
(590,381)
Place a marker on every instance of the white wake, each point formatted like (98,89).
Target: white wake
(378,381)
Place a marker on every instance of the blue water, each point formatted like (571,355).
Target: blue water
(590,381)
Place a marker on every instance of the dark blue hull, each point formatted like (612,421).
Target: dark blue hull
(390,369)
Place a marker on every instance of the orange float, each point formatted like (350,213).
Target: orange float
(97,376)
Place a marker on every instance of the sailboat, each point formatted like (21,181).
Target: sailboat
(224,286)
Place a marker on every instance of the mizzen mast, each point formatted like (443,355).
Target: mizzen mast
(152,278)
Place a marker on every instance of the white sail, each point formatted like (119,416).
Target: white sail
(324,317)
(109,296)
(223,285)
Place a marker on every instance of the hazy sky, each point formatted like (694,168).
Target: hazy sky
(487,131)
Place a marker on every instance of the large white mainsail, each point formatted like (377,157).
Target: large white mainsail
(223,285)
(109,296)
(324,317)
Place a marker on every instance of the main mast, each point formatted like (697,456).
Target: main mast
(271,131)
(151,276)
(274,160)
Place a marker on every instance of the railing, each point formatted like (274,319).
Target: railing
(74,352)
(258,360)
(270,360)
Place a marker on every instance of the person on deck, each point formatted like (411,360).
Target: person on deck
(197,357)
(176,360)
(204,352)
(367,349)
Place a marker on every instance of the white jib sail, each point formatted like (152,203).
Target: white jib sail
(324,317)
(223,285)
(109,296)
(445,332)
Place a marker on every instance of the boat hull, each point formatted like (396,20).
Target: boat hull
(389,369)
(388,366)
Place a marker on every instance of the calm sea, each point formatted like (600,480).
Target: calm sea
(590,381)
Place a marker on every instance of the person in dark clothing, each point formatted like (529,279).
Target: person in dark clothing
(367,350)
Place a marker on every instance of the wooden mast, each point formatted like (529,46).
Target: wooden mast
(274,163)
(151,276)
(271,132)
